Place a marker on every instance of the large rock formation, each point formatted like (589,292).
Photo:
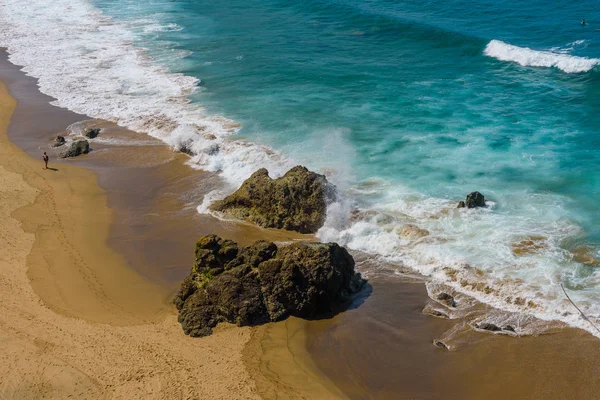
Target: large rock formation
(78,147)
(261,283)
(297,201)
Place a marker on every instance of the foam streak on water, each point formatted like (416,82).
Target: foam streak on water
(510,256)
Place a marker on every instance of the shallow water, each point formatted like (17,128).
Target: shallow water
(407,106)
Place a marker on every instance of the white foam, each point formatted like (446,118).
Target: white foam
(538,58)
(478,245)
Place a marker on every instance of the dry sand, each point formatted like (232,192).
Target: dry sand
(75,322)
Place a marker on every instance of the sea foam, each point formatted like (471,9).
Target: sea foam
(537,58)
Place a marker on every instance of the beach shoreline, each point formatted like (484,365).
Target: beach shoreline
(78,320)
(143,226)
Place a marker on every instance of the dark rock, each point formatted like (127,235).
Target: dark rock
(261,283)
(486,326)
(429,310)
(91,133)
(297,201)
(509,328)
(78,147)
(461,204)
(446,299)
(440,344)
(475,199)
(59,141)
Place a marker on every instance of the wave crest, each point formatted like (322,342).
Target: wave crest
(537,58)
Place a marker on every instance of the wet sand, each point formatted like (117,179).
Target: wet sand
(381,349)
(384,350)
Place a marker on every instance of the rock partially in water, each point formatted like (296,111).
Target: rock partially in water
(446,299)
(412,232)
(440,344)
(91,133)
(77,148)
(58,141)
(461,204)
(486,326)
(297,201)
(475,199)
(430,310)
(261,283)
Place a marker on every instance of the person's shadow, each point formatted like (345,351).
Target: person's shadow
(53,169)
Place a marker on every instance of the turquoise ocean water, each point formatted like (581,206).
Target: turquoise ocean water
(406,105)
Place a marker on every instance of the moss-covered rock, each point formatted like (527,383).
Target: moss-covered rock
(260,283)
(297,201)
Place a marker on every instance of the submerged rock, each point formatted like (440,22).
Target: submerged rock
(297,201)
(91,133)
(474,200)
(78,147)
(58,141)
(261,283)
(412,232)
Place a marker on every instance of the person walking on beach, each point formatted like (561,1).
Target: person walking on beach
(45,158)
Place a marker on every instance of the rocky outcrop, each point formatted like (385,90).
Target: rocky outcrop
(58,141)
(297,201)
(77,148)
(261,283)
(91,133)
(474,200)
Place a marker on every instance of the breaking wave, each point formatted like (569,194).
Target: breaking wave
(538,58)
